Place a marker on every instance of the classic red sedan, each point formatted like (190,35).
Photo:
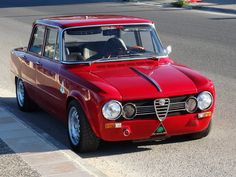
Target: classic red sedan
(110,78)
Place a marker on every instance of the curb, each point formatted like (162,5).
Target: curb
(199,6)
(215,9)
(196,6)
(49,142)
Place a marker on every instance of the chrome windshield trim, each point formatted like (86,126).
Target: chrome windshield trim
(90,62)
(152,81)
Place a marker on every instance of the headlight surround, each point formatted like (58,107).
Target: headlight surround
(112,110)
(191,104)
(205,100)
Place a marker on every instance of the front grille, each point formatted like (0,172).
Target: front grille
(161,107)
(173,106)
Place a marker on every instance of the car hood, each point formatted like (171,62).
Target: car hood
(143,82)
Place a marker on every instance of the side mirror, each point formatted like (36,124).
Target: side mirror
(24,49)
(168,49)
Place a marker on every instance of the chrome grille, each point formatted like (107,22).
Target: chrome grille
(179,106)
(147,108)
(161,107)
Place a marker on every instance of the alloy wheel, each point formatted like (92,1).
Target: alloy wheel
(20,92)
(74,125)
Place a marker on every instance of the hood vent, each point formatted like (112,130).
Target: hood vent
(152,81)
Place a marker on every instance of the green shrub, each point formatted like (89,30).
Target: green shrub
(180,3)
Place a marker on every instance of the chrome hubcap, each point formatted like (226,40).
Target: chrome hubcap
(20,92)
(74,126)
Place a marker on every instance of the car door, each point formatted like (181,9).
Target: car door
(31,58)
(47,73)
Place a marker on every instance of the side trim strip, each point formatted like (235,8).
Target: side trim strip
(152,81)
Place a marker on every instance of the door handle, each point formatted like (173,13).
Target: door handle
(22,56)
(38,63)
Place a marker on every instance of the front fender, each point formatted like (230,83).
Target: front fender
(90,105)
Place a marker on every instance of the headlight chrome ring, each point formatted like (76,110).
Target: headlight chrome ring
(112,110)
(205,100)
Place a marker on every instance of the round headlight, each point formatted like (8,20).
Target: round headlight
(191,104)
(204,100)
(112,110)
(129,111)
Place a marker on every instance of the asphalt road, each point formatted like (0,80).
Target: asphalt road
(205,42)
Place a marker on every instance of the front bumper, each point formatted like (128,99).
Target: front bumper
(141,129)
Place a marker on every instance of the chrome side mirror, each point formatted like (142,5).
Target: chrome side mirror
(168,49)
(24,49)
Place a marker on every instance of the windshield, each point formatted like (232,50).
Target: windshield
(111,42)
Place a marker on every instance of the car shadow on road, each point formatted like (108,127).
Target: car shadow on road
(124,147)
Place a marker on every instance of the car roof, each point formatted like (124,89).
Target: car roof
(91,20)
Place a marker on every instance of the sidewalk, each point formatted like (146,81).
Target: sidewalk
(25,153)
(222,6)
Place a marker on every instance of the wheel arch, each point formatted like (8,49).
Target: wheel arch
(74,95)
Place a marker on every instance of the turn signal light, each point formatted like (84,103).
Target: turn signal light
(204,114)
(113,125)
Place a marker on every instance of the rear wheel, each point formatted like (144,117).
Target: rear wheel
(81,136)
(202,134)
(23,100)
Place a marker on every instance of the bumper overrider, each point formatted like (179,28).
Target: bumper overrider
(156,118)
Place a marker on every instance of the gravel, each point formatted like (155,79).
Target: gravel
(11,165)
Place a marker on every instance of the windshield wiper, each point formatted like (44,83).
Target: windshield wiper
(115,58)
(125,55)
(130,55)
(100,59)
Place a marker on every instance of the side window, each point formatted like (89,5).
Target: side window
(51,44)
(37,40)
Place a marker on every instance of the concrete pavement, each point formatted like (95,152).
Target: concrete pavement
(12,165)
(23,152)
(226,6)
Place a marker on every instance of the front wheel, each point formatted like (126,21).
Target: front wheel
(81,136)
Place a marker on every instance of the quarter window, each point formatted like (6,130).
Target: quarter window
(37,40)
(51,44)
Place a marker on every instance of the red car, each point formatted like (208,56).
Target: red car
(110,78)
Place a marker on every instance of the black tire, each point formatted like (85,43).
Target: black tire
(87,140)
(25,104)
(200,135)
